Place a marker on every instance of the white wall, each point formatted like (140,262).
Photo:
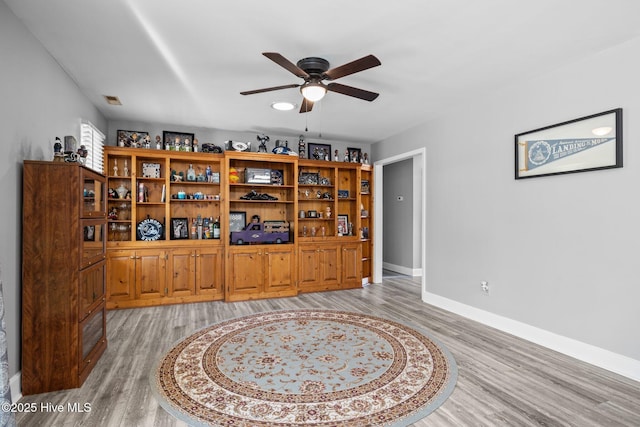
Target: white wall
(39,102)
(560,253)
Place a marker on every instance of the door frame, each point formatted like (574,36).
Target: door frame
(419,157)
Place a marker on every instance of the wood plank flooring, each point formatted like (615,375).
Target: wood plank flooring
(503,380)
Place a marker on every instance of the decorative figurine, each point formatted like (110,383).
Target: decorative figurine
(125,171)
(346,156)
(58,155)
(82,154)
(187,144)
(336,156)
(115,167)
(263,139)
(158,142)
(195,145)
(302,150)
(365,159)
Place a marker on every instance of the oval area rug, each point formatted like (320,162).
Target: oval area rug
(304,368)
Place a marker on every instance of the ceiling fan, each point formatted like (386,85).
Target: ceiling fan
(314,70)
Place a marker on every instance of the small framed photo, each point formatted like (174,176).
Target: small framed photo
(131,138)
(355,155)
(89,233)
(178,141)
(364,186)
(343,225)
(319,151)
(309,178)
(179,228)
(343,194)
(237,220)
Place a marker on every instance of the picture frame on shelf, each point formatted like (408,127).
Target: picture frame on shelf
(130,138)
(364,186)
(343,224)
(355,155)
(343,194)
(178,141)
(237,220)
(179,228)
(319,151)
(309,178)
(585,144)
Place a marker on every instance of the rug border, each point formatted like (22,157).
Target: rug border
(403,422)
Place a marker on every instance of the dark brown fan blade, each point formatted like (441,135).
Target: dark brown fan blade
(268,89)
(352,91)
(306,105)
(356,66)
(286,64)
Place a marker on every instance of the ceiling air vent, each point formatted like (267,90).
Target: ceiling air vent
(112,100)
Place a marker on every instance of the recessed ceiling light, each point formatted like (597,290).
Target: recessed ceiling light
(283,106)
(112,100)
(602,131)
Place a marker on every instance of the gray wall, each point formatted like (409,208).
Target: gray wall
(40,102)
(560,253)
(397,231)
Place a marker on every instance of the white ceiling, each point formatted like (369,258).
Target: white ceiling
(186,62)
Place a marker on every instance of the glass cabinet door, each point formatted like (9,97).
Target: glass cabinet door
(93,194)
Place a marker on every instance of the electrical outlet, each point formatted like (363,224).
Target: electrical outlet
(484,286)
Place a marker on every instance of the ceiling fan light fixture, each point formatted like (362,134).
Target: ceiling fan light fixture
(313,91)
(283,106)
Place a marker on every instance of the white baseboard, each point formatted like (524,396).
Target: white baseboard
(407,271)
(597,356)
(15,384)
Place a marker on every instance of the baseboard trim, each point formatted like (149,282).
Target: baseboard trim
(407,271)
(15,384)
(588,353)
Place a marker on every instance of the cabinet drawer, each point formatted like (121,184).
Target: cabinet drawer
(93,340)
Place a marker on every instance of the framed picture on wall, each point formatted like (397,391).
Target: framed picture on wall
(131,138)
(319,151)
(580,145)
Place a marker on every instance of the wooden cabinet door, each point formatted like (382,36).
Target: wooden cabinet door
(281,270)
(121,276)
(246,272)
(91,288)
(182,272)
(308,267)
(330,266)
(351,266)
(150,274)
(209,273)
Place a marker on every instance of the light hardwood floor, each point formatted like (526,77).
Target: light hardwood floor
(503,380)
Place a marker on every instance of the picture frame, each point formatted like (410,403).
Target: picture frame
(365,188)
(355,155)
(170,138)
(129,138)
(179,228)
(309,178)
(89,233)
(585,144)
(318,151)
(343,194)
(343,224)
(237,220)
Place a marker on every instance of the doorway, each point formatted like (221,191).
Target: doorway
(419,162)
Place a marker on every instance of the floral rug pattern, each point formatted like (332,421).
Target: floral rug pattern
(304,367)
